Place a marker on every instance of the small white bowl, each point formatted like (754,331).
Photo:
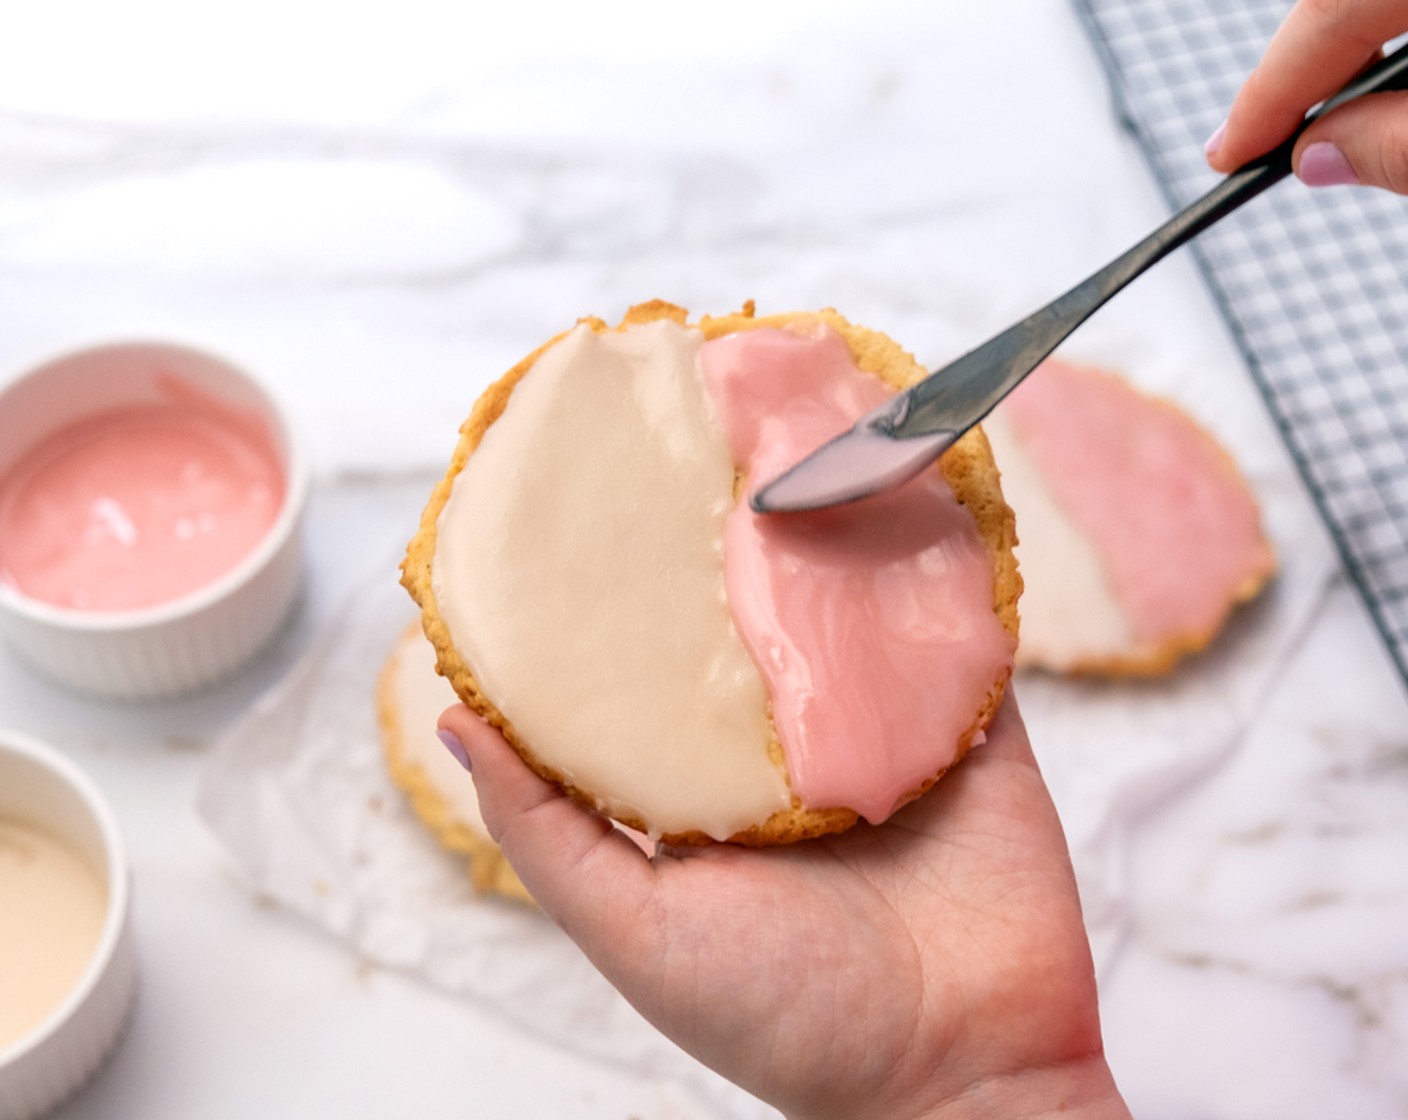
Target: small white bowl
(41,788)
(189,641)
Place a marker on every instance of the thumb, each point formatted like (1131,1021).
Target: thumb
(1364,142)
(577,865)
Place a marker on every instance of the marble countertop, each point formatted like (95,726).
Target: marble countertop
(378,210)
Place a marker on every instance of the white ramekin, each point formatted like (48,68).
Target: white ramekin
(39,787)
(190,641)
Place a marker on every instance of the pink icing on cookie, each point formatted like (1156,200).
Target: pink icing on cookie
(873,624)
(1175,526)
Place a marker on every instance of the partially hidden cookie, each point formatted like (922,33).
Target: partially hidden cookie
(596,586)
(410,696)
(1137,533)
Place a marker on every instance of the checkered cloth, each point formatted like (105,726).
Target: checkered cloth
(1313,283)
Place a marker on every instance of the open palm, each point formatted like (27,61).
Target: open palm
(934,965)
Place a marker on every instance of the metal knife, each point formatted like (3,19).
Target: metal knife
(898,440)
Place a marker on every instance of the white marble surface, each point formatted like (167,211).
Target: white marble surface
(377,210)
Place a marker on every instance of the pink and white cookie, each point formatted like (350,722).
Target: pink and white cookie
(1137,533)
(410,696)
(595,584)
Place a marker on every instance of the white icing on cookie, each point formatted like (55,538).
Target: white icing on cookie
(636,480)
(1069,612)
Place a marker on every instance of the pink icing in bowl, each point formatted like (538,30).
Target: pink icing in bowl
(147,632)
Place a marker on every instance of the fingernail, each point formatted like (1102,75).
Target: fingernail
(1215,140)
(455,747)
(1323,165)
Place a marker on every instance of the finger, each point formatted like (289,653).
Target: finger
(1005,743)
(1007,733)
(577,866)
(1319,47)
(1009,742)
(1021,793)
(1364,142)
(1000,773)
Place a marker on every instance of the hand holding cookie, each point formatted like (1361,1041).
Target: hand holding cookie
(936,962)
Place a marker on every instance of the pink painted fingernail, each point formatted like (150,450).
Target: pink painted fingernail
(455,747)
(1323,165)
(1215,140)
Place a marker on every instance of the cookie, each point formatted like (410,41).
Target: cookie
(410,696)
(595,585)
(1138,535)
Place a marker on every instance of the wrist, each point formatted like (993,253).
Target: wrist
(1078,1090)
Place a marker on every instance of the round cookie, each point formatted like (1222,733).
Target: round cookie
(493,457)
(410,696)
(1137,533)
